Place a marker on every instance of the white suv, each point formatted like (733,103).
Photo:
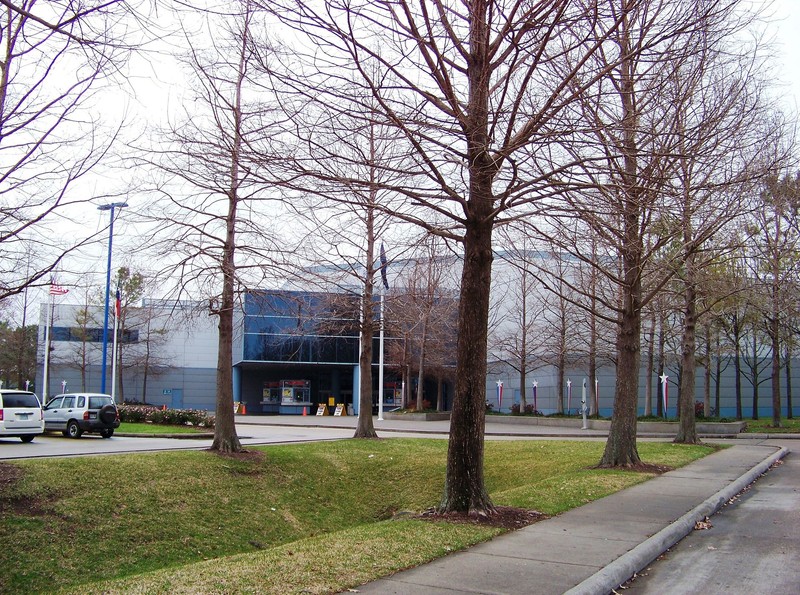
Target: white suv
(20,414)
(76,413)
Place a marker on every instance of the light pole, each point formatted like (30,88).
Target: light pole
(110,207)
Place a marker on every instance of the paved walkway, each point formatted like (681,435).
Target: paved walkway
(589,550)
(592,549)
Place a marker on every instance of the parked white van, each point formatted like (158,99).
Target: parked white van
(20,414)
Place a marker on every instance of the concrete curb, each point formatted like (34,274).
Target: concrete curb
(623,568)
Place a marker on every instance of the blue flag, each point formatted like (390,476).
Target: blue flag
(384,265)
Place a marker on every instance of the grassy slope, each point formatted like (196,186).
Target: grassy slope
(327,503)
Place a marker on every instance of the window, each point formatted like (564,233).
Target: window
(55,403)
(99,402)
(12,400)
(77,334)
(81,402)
(69,402)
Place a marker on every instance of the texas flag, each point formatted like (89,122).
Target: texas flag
(117,306)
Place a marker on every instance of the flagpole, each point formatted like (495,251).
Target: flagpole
(384,265)
(114,351)
(380,366)
(46,371)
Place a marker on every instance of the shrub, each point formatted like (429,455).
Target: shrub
(529,410)
(134,413)
(426,405)
(699,410)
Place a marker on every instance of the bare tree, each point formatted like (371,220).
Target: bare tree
(211,203)
(54,58)
(512,339)
(777,242)
(345,230)
(467,87)
(728,143)
(79,355)
(629,148)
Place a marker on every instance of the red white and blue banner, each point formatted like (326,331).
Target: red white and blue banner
(499,395)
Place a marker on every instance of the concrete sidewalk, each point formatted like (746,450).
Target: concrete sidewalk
(595,548)
(494,429)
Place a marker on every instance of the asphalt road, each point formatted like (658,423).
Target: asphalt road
(752,546)
(55,445)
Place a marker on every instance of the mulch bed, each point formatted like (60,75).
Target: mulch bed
(505,517)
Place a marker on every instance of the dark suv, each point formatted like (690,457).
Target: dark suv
(76,413)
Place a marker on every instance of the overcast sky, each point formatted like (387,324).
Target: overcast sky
(783,30)
(786,29)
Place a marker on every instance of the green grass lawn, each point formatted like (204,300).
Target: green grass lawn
(143,428)
(311,518)
(764,426)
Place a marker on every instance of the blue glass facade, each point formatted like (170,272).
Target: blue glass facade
(89,335)
(299,338)
(300,327)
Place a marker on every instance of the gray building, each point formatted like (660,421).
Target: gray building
(296,349)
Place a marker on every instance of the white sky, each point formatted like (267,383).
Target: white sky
(786,31)
(160,96)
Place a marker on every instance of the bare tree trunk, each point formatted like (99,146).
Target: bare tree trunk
(788,367)
(737,367)
(776,371)
(707,376)
(687,429)
(225,437)
(661,363)
(755,375)
(523,347)
(561,384)
(594,406)
(620,448)
(775,329)
(421,371)
(648,388)
(717,375)
(464,488)
(365,427)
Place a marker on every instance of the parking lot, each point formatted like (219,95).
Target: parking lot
(55,445)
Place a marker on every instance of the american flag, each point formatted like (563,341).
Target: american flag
(58,289)
(117,306)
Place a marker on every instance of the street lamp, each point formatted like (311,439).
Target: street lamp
(110,207)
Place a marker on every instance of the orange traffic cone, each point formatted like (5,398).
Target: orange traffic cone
(163,408)
(305,412)
(244,409)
